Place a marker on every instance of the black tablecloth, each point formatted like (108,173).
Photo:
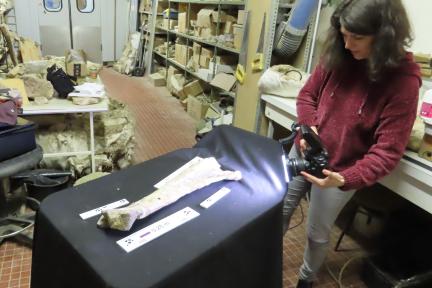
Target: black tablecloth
(237,242)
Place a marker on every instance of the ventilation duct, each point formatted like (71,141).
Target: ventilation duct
(290,33)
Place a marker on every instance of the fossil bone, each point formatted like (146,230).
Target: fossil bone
(202,172)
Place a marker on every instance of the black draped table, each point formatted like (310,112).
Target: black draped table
(237,242)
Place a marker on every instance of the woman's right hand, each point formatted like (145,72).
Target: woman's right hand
(303,144)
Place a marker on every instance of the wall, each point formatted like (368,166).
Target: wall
(27,19)
(114,37)
(420,13)
(247,99)
(108,26)
(122,26)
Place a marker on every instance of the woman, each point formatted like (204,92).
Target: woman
(362,101)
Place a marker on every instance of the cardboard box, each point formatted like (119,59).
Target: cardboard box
(204,18)
(177,82)
(160,7)
(169,24)
(157,80)
(158,41)
(195,108)
(426,72)
(241,17)
(208,32)
(178,52)
(221,68)
(76,69)
(197,31)
(183,53)
(162,71)
(194,88)
(205,57)
(171,71)
(205,74)
(143,6)
(226,59)
(224,81)
(207,52)
(196,48)
(182,22)
(219,16)
(423,58)
(238,36)
(228,27)
(76,63)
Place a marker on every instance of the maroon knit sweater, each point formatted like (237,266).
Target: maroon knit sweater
(364,125)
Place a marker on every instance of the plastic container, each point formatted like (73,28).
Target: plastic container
(426,108)
(425,150)
(43,182)
(93,72)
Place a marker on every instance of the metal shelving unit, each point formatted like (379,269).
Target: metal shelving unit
(189,39)
(150,13)
(181,66)
(309,47)
(205,2)
(200,40)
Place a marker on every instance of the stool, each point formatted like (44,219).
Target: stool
(11,225)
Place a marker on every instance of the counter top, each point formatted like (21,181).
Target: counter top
(411,179)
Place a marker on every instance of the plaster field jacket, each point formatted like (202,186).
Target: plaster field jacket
(364,125)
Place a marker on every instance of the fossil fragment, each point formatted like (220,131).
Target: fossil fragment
(203,172)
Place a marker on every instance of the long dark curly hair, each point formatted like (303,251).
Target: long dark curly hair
(387,20)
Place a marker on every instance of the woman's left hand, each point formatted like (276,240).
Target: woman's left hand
(332,179)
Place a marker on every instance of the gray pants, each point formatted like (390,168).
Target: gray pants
(324,207)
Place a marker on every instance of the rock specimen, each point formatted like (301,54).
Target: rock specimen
(203,172)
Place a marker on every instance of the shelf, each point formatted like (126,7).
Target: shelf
(150,13)
(172,61)
(197,39)
(222,2)
(155,33)
(291,5)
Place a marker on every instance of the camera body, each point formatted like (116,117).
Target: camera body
(315,156)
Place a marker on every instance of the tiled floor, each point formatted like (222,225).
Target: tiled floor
(15,265)
(294,243)
(157,133)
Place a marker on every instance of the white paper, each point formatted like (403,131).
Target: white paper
(98,211)
(215,197)
(88,90)
(157,229)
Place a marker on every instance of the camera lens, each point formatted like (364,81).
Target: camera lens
(295,166)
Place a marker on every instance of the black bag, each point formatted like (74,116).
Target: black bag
(60,81)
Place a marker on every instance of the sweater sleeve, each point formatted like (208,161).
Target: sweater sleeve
(307,100)
(392,135)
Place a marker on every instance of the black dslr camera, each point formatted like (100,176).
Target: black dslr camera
(315,156)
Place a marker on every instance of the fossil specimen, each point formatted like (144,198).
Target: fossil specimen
(201,172)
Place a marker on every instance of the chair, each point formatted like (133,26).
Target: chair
(362,209)
(14,221)
(375,202)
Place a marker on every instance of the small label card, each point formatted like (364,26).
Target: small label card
(99,210)
(157,229)
(215,197)
(176,172)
